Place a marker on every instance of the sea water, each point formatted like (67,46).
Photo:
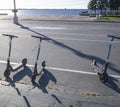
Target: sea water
(55,12)
(48,12)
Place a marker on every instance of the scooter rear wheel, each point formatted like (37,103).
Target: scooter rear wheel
(33,78)
(103,77)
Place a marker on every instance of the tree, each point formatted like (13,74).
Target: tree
(104,5)
(114,5)
(92,5)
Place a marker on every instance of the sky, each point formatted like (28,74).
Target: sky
(45,4)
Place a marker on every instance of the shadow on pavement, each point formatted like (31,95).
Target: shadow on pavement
(12,84)
(111,84)
(43,81)
(74,51)
(45,77)
(21,74)
(111,66)
(27,102)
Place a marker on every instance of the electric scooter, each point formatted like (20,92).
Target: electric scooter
(103,76)
(35,73)
(9,68)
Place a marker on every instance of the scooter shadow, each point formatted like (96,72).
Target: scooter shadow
(12,84)
(111,83)
(21,74)
(74,51)
(44,79)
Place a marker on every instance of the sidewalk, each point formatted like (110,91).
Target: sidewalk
(21,95)
(57,18)
(25,95)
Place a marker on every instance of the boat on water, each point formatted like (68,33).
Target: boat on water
(3,13)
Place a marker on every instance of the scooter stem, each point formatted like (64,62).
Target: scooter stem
(10,46)
(10,43)
(38,53)
(110,45)
(109,50)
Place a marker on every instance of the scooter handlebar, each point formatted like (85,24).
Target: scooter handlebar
(113,37)
(10,35)
(41,38)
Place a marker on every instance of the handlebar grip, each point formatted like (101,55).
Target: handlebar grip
(113,37)
(36,36)
(10,35)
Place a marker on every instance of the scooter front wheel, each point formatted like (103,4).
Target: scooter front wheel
(7,73)
(103,77)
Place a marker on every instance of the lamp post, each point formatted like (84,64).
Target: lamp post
(15,18)
(97,7)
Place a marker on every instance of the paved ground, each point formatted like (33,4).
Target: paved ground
(68,80)
(37,18)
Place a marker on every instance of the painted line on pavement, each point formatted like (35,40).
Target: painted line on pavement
(75,34)
(62,69)
(69,70)
(49,27)
(14,63)
(73,39)
(77,71)
(87,40)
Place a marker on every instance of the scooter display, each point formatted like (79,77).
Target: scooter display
(9,68)
(103,76)
(35,73)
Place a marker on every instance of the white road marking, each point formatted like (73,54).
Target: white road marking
(75,34)
(87,40)
(115,76)
(51,28)
(62,69)
(69,70)
(77,71)
(73,39)
(14,63)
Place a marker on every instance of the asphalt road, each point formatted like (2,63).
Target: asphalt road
(68,54)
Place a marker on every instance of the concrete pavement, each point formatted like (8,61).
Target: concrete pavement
(71,47)
(51,18)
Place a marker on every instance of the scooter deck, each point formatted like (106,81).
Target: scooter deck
(17,66)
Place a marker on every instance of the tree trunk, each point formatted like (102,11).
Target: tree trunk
(117,11)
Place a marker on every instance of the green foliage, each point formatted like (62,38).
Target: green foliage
(114,4)
(92,5)
(109,18)
(104,5)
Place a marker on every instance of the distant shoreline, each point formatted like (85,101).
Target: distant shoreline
(45,9)
(49,12)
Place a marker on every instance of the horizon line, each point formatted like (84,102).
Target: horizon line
(42,8)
